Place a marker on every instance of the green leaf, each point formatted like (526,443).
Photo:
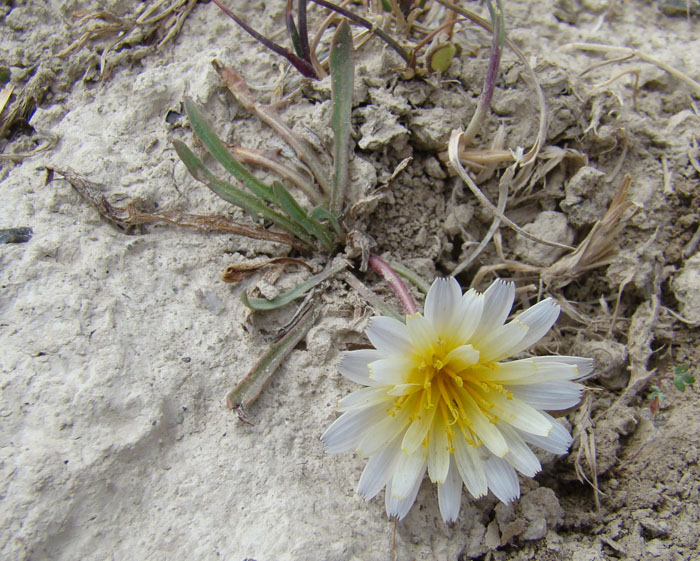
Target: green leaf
(235,196)
(292,30)
(678,382)
(681,369)
(440,58)
(248,389)
(218,149)
(260,304)
(342,75)
(287,203)
(319,213)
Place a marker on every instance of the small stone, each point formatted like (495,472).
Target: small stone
(492,539)
(536,530)
(587,197)
(457,219)
(381,128)
(512,530)
(434,169)
(551,226)
(686,288)
(610,361)
(431,128)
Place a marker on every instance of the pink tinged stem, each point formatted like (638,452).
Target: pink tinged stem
(395,282)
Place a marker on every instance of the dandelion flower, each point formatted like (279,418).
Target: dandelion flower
(438,397)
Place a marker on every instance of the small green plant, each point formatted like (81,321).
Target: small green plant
(319,230)
(681,378)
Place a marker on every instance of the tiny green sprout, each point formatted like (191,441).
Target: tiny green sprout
(681,377)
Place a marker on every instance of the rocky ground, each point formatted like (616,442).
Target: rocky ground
(118,347)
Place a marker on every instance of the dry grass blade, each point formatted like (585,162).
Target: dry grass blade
(249,388)
(500,209)
(375,301)
(51,141)
(587,447)
(236,272)
(260,158)
(238,87)
(453,152)
(128,216)
(627,53)
(598,248)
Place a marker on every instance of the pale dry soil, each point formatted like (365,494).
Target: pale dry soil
(118,348)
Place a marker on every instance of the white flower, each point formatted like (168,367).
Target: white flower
(438,398)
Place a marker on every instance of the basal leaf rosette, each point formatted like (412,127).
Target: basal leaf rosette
(439,396)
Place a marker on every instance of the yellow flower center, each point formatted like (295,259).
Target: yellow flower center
(451,388)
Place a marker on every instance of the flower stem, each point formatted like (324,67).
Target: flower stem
(395,282)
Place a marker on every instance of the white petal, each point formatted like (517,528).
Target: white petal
(438,451)
(467,318)
(462,357)
(519,454)
(348,429)
(354,365)
(391,371)
(557,442)
(365,397)
(584,365)
(383,431)
(551,396)
(519,413)
(539,318)
(409,469)
(442,302)
(379,469)
(484,429)
(404,389)
(450,494)
(389,336)
(501,342)
(471,467)
(398,508)
(498,300)
(418,430)
(502,479)
(529,371)
(422,333)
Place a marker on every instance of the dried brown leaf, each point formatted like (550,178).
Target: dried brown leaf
(238,271)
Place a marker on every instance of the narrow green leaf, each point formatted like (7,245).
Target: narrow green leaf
(235,196)
(292,29)
(289,205)
(319,213)
(342,74)
(262,304)
(248,389)
(218,149)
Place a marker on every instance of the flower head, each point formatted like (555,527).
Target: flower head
(438,397)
